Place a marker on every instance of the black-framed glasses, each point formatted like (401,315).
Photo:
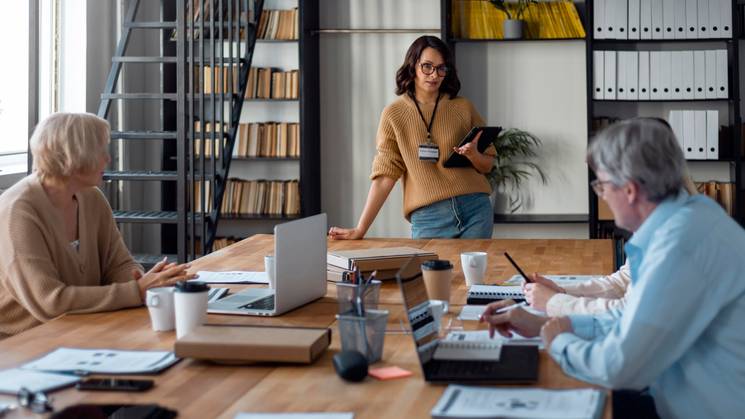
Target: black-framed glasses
(429,68)
(37,401)
(599,186)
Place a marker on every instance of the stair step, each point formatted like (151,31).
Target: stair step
(143,135)
(150,25)
(148,261)
(143,59)
(158,96)
(140,175)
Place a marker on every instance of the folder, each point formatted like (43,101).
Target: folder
(715,18)
(680,20)
(676,75)
(645,19)
(622,19)
(691,19)
(598,74)
(666,74)
(676,123)
(711,74)
(703,19)
(688,86)
(655,75)
(668,19)
(699,136)
(712,135)
(609,81)
(643,75)
(726,18)
(621,90)
(598,17)
(722,72)
(699,74)
(633,24)
(688,134)
(610,19)
(632,75)
(657,26)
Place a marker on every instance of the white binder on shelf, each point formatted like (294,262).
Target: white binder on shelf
(657,25)
(598,17)
(699,136)
(598,74)
(621,88)
(715,19)
(711,74)
(680,20)
(691,19)
(726,18)
(668,19)
(666,74)
(699,74)
(611,31)
(688,81)
(688,134)
(675,119)
(712,135)
(633,24)
(643,75)
(632,75)
(622,19)
(609,80)
(645,19)
(676,75)
(722,72)
(703,19)
(655,75)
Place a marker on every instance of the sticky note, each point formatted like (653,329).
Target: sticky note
(389,373)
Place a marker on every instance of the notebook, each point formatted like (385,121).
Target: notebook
(485,294)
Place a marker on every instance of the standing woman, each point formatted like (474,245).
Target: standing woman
(416,134)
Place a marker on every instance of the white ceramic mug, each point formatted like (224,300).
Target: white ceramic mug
(269,269)
(159,302)
(474,267)
(190,302)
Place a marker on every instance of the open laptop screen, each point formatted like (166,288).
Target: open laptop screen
(419,313)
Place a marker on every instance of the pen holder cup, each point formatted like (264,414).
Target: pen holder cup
(345,296)
(364,334)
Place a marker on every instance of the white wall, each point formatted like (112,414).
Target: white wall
(536,86)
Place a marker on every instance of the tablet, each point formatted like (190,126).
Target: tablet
(457,160)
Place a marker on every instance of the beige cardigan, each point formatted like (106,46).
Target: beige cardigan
(593,297)
(42,276)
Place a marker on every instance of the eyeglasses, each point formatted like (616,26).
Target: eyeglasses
(429,68)
(38,402)
(599,186)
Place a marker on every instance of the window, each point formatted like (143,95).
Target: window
(14,80)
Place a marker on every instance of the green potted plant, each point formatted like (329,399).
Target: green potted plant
(512,27)
(512,167)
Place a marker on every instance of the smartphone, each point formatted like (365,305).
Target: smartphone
(114,384)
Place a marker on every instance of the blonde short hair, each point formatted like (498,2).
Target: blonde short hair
(65,144)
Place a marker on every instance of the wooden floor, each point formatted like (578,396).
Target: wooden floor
(205,390)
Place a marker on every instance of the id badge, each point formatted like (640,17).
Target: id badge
(429,152)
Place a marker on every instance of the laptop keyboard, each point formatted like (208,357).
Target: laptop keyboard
(266,303)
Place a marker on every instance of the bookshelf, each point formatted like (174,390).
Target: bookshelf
(299,53)
(721,174)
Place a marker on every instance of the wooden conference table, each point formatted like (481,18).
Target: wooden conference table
(203,390)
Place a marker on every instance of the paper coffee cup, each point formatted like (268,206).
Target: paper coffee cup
(437,276)
(159,302)
(190,302)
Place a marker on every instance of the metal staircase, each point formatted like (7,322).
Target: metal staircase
(196,35)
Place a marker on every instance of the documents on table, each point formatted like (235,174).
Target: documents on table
(233,277)
(324,415)
(13,379)
(560,280)
(103,361)
(471,312)
(527,403)
(483,335)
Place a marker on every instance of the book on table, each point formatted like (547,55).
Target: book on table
(370,259)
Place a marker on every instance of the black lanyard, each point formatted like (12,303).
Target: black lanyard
(434,111)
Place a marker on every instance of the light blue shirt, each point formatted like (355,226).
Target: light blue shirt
(682,332)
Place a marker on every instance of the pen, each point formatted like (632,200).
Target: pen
(527,278)
(510,308)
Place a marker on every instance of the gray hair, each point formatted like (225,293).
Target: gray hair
(640,150)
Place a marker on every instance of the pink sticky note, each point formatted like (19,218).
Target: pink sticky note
(389,373)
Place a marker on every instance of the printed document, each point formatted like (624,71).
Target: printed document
(13,379)
(327,415)
(103,361)
(483,336)
(471,312)
(560,280)
(232,277)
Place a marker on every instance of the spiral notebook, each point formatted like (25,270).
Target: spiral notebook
(485,294)
(467,346)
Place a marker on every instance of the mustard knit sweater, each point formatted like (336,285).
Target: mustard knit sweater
(401,131)
(42,276)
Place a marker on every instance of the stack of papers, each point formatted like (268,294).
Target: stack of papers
(483,336)
(13,379)
(525,403)
(102,361)
(560,280)
(232,277)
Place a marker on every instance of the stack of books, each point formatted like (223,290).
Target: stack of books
(272,83)
(278,24)
(544,20)
(253,197)
(722,192)
(386,261)
(269,139)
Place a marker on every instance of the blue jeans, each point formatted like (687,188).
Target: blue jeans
(460,217)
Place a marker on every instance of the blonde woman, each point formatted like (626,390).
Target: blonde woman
(61,249)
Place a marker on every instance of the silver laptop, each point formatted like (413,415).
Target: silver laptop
(300,270)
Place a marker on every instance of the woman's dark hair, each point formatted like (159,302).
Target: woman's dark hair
(407,72)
